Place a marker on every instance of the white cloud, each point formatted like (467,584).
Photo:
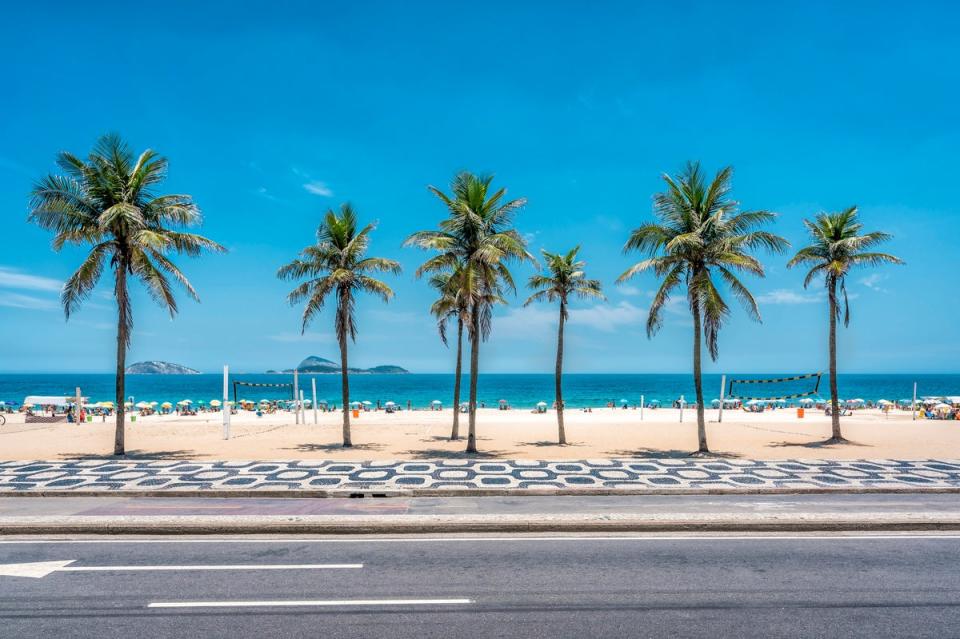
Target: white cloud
(16,300)
(317,187)
(264,193)
(787,296)
(12,278)
(297,337)
(630,291)
(872,282)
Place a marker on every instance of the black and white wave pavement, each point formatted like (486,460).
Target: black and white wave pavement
(616,474)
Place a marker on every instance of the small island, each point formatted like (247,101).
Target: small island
(321,365)
(159,368)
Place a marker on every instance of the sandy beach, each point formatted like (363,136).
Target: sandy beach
(510,434)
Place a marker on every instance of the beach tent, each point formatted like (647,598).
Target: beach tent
(47,400)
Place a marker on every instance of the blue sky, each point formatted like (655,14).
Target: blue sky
(270,113)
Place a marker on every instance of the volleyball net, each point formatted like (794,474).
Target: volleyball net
(775,388)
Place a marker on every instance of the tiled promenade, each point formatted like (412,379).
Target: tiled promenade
(467,475)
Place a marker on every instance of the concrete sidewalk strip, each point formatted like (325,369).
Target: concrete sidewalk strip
(480,523)
(471,476)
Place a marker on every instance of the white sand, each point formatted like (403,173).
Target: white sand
(504,434)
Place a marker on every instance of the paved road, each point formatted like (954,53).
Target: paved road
(520,505)
(759,586)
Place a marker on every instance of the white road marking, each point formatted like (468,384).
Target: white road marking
(40,569)
(418,540)
(309,602)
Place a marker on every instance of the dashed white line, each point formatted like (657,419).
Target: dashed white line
(310,602)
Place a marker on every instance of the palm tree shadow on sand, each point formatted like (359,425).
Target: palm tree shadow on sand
(658,453)
(823,443)
(135,455)
(551,443)
(329,448)
(442,453)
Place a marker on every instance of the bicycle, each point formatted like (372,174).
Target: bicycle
(3,420)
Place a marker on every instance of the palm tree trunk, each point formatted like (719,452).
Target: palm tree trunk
(455,433)
(474,367)
(836,436)
(123,338)
(344,382)
(559,377)
(698,383)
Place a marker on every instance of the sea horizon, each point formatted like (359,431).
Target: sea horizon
(521,390)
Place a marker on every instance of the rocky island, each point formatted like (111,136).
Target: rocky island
(316,364)
(159,368)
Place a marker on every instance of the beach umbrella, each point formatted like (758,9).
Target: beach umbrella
(106,404)
(128,404)
(653,401)
(542,404)
(942,406)
(229,402)
(166,405)
(624,401)
(356,404)
(367,403)
(153,403)
(184,402)
(390,404)
(884,402)
(201,402)
(215,403)
(143,404)
(714,402)
(436,402)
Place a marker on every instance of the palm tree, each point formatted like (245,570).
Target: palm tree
(108,202)
(838,246)
(699,232)
(448,306)
(565,280)
(476,234)
(336,265)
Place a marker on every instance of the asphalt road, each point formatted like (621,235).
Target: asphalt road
(748,586)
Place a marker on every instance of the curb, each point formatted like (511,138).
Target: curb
(410,525)
(473,492)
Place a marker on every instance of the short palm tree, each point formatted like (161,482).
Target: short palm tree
(449,306)
(336,265)
(700,233)
(478,235)
(838,246)
(565,278)
(108,202)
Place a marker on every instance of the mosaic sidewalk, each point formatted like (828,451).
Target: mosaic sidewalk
(467,475)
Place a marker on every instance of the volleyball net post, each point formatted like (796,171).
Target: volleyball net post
(723,386)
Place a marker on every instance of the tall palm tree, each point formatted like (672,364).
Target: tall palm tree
(565,279)
(700,232)
(108,202)
(337,265)
(478,235)
(838,246)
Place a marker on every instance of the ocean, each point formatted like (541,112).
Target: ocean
(520,390)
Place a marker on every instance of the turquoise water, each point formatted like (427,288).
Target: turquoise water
(521,390)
